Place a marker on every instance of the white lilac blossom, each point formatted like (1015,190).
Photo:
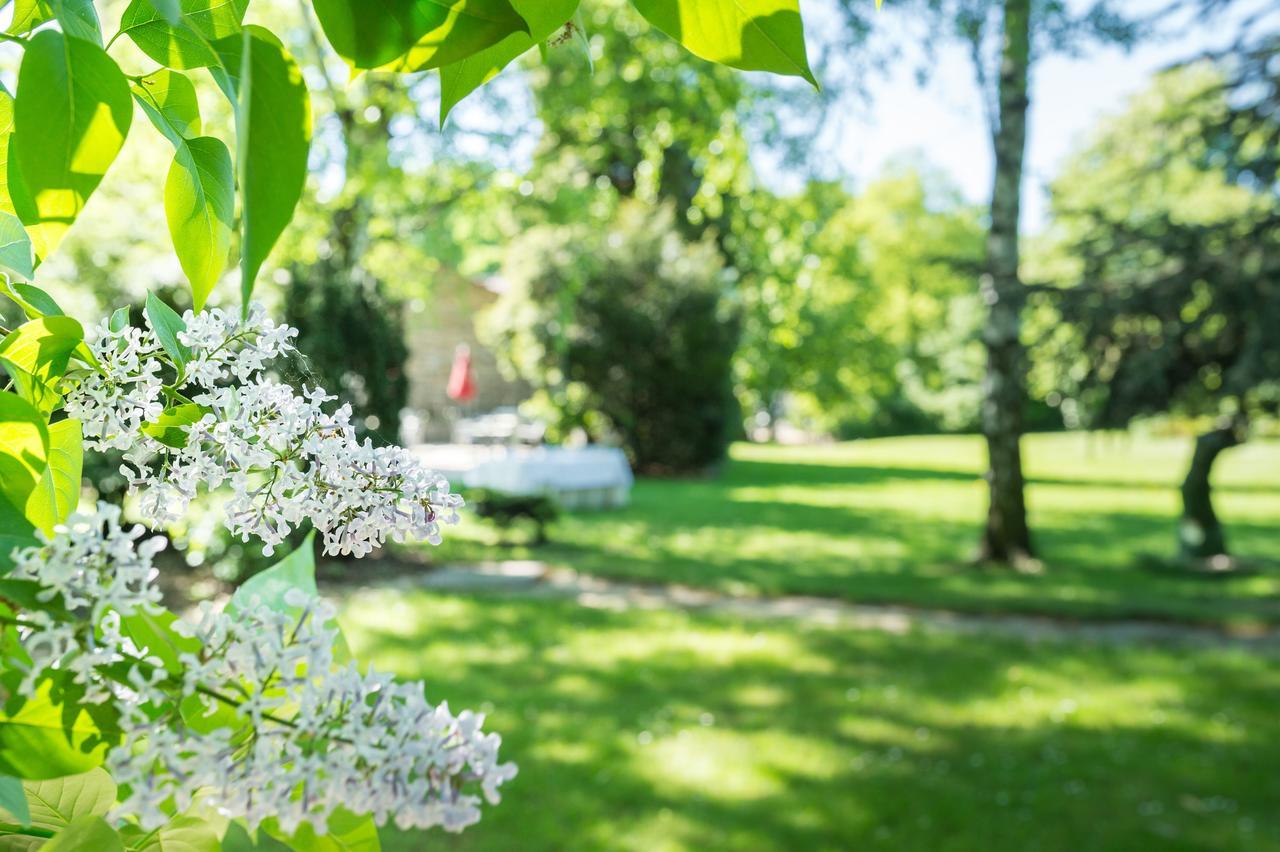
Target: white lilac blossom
(327,736)
(223,345)
(113,403)
(300,732)
(91,563)
(284,457)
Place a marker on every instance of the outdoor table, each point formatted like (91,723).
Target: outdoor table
(591,477)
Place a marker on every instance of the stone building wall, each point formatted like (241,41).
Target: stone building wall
(433,330)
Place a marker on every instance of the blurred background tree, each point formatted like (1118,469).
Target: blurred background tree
(858,308)
(623,329)
(351,337)
(822,339)
(902,255)
(1005,40)
(1170,222)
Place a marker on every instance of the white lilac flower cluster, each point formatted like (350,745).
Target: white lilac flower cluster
(306,734)
(357,741)
(285,459)
(114,403)
(94,564)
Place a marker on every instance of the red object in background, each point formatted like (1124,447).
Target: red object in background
(462,384)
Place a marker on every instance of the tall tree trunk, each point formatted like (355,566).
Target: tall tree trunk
(1006,538)
(1200,534)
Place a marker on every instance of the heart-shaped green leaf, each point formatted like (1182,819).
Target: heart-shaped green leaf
(52,733)
(184,42)
(24,448)
(273,136)
(58,802)
(461,78)
(36,354)
(69,125)
(57,491)
(170,428)
(169,99)
(754,35)
(413,35)
(199,204)
(83,834)
(15,247)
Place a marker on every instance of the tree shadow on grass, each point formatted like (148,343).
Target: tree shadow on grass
(1171,487)
(741,534)
(769,473)
(764,473)
(890,556)
(660,730)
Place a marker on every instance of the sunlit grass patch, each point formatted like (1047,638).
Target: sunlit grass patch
(694,731)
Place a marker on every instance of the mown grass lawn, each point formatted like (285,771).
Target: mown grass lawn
(655,730)
(896,520)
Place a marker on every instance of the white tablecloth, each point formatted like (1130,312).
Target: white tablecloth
(584,477)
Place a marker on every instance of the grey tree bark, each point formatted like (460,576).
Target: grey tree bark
(1006,538)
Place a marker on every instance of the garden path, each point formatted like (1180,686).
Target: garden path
(533,579)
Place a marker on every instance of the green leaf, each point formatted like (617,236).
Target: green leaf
(70,120)
(237,839)
(273,135)
(76,17)
(181,834)
(25,594)
(347,832)
(29,14)
(6,130)
(202,714)
(24,447)
(14,800)
(13,840)
(153,633)
(169,101)
(58,802)
(35,302)
(86,834)
(119,320)
(57,492)
(185,42)
(199,203)
(169,429)
(582,42)
(170,10)
(36,354)
(51,734)
(468,28)
(420,33)
(15,247)
(15,532)
(295,571)
(166,324)
(754,35)
(170,43)
(199,194)
(459,79)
